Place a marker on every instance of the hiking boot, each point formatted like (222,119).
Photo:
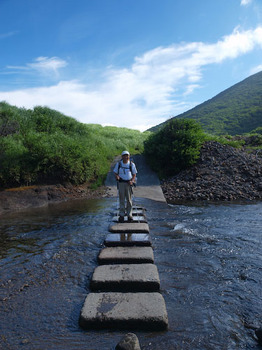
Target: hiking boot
(121,219)
(130,218)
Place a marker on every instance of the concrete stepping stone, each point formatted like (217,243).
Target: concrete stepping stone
(136,208)
(139,212)
(126,255)
(127,239)
(136,219)
(124,311)
(129,227)
(126,277)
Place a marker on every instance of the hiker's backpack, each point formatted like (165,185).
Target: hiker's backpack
(130,166)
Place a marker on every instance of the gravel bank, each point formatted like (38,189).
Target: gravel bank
(223,173)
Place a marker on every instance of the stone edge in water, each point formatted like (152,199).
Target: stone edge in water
(129,227)
(124,311)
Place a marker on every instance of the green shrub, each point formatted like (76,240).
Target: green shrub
(45,146)
(257,131)
(175,147)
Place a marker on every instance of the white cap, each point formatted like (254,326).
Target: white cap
(125,152)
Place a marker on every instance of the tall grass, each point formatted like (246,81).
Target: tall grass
(43,146)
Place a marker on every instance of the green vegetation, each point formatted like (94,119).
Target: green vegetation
(174,147)
(257,131)
(234,117)
(43,146)
(235,111)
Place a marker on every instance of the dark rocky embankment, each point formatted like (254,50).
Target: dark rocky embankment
(223,173)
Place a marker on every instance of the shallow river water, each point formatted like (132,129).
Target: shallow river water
(208,257)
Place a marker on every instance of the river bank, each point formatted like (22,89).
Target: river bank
(14,199)
(222,173)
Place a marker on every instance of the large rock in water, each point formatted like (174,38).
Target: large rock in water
(128,342)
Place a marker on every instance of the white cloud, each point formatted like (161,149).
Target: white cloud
(145,94)
(256,69)
(245,2)
(43,65)
(48,64)
(190,89)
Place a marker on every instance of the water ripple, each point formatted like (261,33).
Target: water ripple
(209,261)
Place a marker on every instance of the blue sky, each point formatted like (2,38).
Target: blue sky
(126,63)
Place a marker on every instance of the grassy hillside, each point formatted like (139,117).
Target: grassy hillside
(235,111)
(43,146)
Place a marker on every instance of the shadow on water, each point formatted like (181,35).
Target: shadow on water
(208,257)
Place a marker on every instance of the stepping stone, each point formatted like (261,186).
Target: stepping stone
(124,311)
(136,219)
(134,212)
(127,239)
(126,255)
(126,277)
(129,227)
(138,212)
(136,208)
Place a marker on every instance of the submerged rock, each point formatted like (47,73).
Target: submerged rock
(128,342)
(259,335)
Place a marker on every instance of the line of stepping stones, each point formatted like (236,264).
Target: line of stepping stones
(125,286)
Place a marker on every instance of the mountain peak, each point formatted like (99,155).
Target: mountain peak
(236,110)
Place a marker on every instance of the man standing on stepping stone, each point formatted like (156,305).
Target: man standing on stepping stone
(125,173)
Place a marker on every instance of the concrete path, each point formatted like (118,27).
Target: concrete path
(148,184)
